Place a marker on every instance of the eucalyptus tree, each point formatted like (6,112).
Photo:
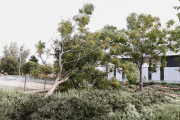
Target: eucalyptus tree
(147,41)
(11,51)
(77,50)
(14,51)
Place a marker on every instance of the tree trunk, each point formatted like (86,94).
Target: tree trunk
(54,86)
(141,82)
(73,83)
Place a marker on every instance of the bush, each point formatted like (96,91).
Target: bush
(132,86)
(152,82)
(80,104)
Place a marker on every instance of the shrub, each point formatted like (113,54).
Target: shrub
(82,104)
(132,86)
(152,82)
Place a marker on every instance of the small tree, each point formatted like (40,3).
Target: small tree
(74,50)
(147,42)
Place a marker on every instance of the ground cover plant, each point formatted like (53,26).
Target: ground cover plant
(172,91)
(89,104)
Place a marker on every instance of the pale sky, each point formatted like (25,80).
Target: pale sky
(28,21)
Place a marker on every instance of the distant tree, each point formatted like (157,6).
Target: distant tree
(11,51)
(33,59)
(28,67)
(147,41)
(9,65)
(45,69)
(24,53)
(14,51)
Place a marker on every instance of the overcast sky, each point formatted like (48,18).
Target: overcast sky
(28,21)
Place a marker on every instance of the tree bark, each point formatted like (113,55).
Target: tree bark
(141,82)
(54,86)
(73,83)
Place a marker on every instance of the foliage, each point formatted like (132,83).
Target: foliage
(45,69)
(131,71)
(14,51)
(28,67)
(172,91)
(33,59)
(177,8)
(88,104)
(9,65)
(146,41)
(24,53)
(78,51)
(11,50)
(132,86)
(107,84)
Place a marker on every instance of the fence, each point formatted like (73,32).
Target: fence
(24,83)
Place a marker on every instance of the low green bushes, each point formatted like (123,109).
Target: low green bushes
(80,105)
(172,91)
(132,86)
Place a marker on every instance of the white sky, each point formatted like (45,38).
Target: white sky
(28,21)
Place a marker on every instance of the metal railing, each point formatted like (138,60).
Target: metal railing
(25,83)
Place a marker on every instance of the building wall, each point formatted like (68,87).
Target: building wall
(119,75)
(156,75)
(110,75)
(171,74)
(145,73)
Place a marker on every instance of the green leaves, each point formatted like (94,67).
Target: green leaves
(88,8)
(65,28)
(170,23)
(40,47)
(9,65)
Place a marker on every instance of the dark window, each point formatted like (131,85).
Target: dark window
(161,73)
(149,73)
(171,62)
(114,71)
(123,74)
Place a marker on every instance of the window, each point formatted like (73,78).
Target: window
(114,71)
(162,73)
(123,74)
(149,73)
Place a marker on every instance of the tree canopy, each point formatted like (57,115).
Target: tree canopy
(146,41)
(78,50)
(33,59)
(9,65)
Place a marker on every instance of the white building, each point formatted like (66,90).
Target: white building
(169,74)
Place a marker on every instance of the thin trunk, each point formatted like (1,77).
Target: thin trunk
(141,82)
(54,86)
(73,83)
